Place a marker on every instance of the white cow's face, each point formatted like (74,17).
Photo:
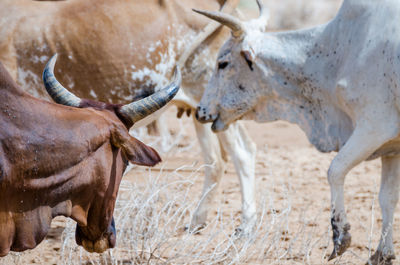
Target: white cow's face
(232,91)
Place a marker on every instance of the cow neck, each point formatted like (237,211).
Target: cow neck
(298,82)
(283,59)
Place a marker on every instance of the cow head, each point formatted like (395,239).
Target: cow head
(98,231)
(232,92)
(57,160)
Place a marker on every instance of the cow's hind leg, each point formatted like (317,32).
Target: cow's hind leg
(243,151)
(213,171)
(388,197)
(361,144)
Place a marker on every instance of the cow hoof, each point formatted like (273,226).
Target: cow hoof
(379,259)
(340,246)
(194,229)
(244,230)
(240,233)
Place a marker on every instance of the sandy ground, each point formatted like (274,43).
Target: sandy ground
(293,208)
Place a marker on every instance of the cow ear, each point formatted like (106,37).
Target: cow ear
(248,56)
(135,151)
(140,154)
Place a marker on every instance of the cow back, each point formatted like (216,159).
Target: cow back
(111,51)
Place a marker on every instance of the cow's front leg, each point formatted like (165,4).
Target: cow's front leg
(243,151)
(388,197)
(362,143)
(213,170)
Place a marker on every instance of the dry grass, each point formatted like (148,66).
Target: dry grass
(150,217)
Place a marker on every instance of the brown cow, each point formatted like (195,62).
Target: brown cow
(63,160)
(117,50)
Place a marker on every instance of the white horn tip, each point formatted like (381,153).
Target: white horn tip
(52,62)
(177,76)
(199,11)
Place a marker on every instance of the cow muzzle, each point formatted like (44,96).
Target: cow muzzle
(107,239)
(203,116)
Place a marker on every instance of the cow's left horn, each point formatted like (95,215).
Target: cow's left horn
(264,13)
(261,7)
(228,20)
(57,92)
(138,110)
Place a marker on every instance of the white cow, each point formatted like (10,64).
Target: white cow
(340,82)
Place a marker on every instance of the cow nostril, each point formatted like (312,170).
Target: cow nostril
(197,115)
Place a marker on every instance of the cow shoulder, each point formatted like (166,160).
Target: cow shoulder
(135,151)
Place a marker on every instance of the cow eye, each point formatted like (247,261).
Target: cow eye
(222,65)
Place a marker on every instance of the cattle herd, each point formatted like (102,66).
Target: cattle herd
(340,82)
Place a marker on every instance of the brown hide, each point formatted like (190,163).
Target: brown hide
(57,160)
(102,43)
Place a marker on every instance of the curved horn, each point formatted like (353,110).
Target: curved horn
(138,110)
(211,27)
(228,20)
(264,14)
(57,92)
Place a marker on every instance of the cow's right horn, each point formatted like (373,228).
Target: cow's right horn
(264,14)
(138,110)
(228,20)
(263,10)
(57,92)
